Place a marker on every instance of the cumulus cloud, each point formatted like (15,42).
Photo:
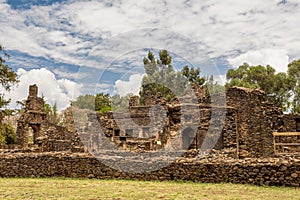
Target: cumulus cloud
(132,86)
(68,31)
(277,58)
(93,33)
(59,91)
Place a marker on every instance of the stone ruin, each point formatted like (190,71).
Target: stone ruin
(251,127)
(36,133)
(256,144)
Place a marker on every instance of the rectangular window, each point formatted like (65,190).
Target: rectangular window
(116,132)
(146,131)
(129,132)
(298,125)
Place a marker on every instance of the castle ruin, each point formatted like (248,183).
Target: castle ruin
(255,142)
(247,126)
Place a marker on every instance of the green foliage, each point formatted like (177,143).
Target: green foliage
(7,79)
(294,74)
(120,104)
(213,87)
(85,102)
(278,87)
(103,103)
(47,108)
(7,134)
(162,78)
(105,109)
(51,111)
(7,76)
(100,102)
(159,77)
(193,75)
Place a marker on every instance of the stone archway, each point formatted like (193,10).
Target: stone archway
(187,138)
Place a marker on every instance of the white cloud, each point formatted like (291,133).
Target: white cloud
(277,58)
(67,31)
(59,91)
(131,86)
(220,79)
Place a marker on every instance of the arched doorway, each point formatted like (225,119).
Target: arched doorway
(187,138)
(30,135)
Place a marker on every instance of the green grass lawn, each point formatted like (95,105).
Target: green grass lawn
(60,188)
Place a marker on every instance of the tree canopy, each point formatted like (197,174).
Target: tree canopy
(294,74)
(282,89)
(102,102)
(279,87)
(163,78)
(7,79)
(160,77)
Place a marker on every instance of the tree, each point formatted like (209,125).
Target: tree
(7,79)
(7,134)
(159,77)
(294,75)
(51,112)
(85,102)
(193,75)
(278,86)
(212,87)
(120,104)
(100,102)
(162,78)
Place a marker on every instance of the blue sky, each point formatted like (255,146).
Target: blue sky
(82,47)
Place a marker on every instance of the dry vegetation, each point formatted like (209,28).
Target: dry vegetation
(59,188)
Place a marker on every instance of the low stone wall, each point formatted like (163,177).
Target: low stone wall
(271,171)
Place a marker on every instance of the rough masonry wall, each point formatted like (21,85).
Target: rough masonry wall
(275,171)
(46,135)
(288,123)
(256,122)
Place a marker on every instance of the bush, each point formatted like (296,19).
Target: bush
(7,134)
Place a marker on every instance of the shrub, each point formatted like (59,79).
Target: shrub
(7,134)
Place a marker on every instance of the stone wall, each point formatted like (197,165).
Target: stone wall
(289,123)
(256,122)
(35,131)
(178,131)
(271,171)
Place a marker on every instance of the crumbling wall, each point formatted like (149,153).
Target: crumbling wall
(289,123)
(211,127)
(46,136)
(256,122)
(244,125)
(31,121)
(270,171)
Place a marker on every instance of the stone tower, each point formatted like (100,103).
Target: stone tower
(30,124)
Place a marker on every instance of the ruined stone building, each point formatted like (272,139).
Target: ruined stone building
(242,123)
(245,125)
(36,132)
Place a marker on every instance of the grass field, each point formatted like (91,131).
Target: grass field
(59,188)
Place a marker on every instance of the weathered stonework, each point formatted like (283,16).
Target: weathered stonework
(249,122)
(268,171)
(34,125)
(31,122)
(244,143)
